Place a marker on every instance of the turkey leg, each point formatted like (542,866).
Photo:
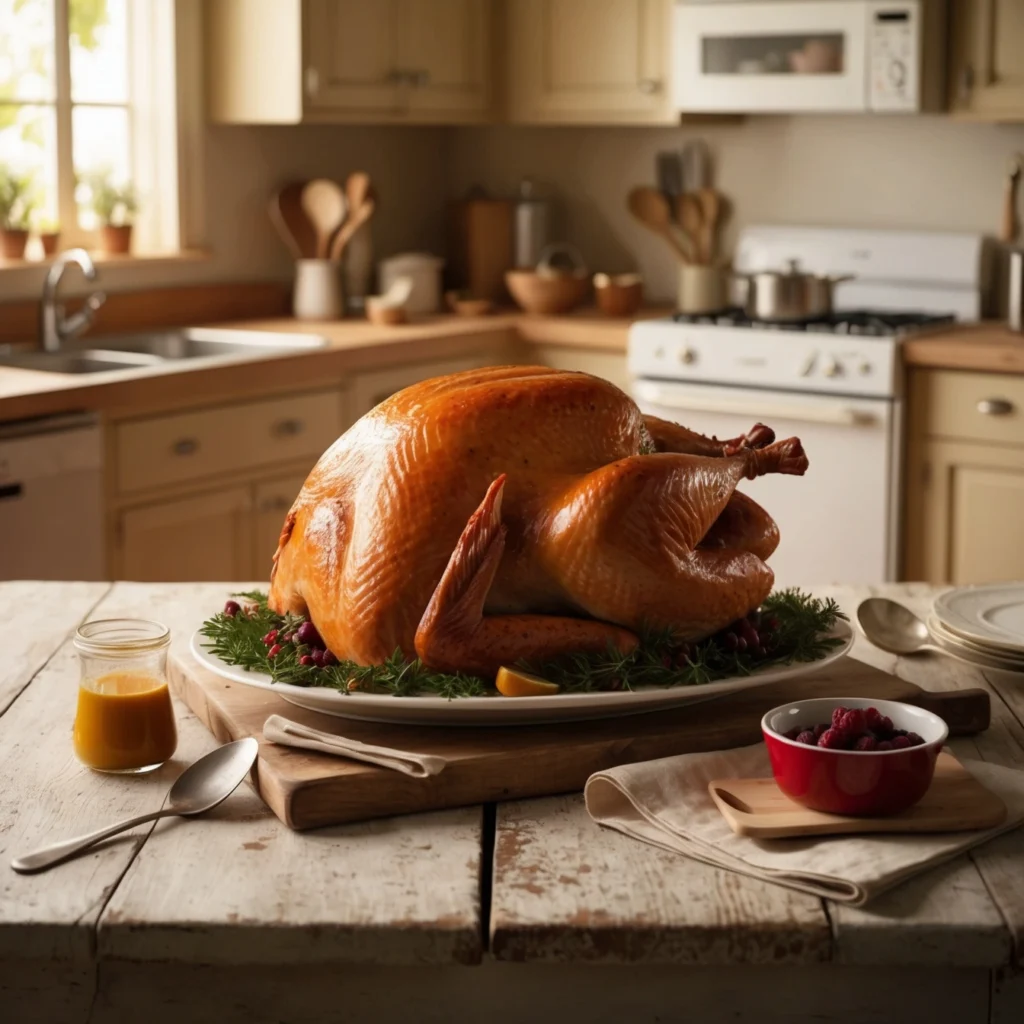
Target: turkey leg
(671,437)
(454,635)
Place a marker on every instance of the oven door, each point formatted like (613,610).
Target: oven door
(780,57)
(838,522)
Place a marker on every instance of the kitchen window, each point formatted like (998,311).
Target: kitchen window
(88,119)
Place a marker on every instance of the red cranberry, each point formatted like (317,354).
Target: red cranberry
(289,638)
(730,642)
(866,742)
(832,739)
(270,637)
(853,722)
(748,633)
(915,740)
(808,737)
(274,651)
(884,745)
(837,717)
(741,644)
(328,659)
(791,734)
(900,742)
(232,608)
(306,660)
(308,634)
(318,657)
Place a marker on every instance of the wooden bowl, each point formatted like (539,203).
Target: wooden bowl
(378,312)
(548,293)
(618,296)
(466,305)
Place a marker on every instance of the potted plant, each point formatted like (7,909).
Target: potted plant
(48,231)
(115,206)
(15,208)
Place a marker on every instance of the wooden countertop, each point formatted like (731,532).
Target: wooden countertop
(352,345)
(232,916)
(984,347)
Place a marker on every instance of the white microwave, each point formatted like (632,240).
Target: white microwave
(808,56)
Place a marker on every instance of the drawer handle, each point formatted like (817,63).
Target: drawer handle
(287,428)
(186,446)
(995,407)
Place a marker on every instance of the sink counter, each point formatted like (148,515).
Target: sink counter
(352,345)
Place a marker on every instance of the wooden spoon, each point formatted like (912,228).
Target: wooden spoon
(711,209)
(362,202)
(290,219)
(651,208)
(324,204)
(691,217)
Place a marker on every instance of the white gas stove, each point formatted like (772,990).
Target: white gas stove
(835,383)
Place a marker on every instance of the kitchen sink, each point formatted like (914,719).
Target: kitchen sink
(160,348)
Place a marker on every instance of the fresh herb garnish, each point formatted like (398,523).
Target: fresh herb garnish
(799,631)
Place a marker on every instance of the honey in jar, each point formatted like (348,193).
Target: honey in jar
(125,719)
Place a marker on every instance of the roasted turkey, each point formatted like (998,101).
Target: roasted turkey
(523,512)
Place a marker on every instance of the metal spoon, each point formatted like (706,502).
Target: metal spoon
(894,628)
(199,788)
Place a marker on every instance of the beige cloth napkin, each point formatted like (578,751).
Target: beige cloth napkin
(278,729)
(667,803)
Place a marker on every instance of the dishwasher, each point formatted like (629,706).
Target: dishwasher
(51,499)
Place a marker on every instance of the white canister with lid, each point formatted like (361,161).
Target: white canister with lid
(423,270)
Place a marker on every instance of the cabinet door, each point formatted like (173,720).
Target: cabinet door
(597,61)
(444,47)
(987,38)
(973,507)
(352,56)
(609,365)
(205,537)
(273,500)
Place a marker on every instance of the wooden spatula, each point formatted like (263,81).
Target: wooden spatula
(290,219)
(651,208)
(362,202)
(324,204)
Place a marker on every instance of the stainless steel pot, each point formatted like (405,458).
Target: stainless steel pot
(789,295)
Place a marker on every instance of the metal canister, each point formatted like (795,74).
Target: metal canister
(1015,292)
(533,226)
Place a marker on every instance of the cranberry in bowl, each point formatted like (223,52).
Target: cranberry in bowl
(853,755)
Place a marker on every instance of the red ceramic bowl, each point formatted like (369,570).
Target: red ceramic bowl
(853,782)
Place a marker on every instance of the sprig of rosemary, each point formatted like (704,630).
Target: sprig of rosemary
(660,659)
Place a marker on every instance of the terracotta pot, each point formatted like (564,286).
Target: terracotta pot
(12,243)
(50,241)
(116,239)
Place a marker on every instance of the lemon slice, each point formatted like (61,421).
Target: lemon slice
(513,683)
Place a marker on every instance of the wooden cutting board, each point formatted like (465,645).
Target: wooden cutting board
(955,802)
(307,789)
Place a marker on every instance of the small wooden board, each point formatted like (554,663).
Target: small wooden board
(955,802)
(307,789)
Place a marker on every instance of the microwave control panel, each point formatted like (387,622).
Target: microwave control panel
(894,56)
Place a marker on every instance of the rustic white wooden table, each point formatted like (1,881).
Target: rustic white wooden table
(524,911)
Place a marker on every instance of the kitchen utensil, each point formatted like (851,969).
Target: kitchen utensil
(467,305)
(702,289)
(318,293)
(893,627)
(200,787)
(955,802)
(858,782)
(548,293)
(789,295)
(288,216)
(324,204)
(690,214)
(424,272)
(710,203)
(669,171)
(1010,228)
(651,208)
(361,202)
(532,225)
(696,159)
(989,614)
(620,295)
(307,791)
(1015,292)
(481,245)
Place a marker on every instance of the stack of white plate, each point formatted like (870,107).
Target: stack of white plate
(982,624)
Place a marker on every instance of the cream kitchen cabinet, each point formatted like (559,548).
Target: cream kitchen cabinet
(403,61)
(609,365)
(588,61)
(965,479)
(271,501)
(987,59)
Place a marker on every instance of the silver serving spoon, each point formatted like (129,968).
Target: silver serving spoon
(894,628)
(199,788)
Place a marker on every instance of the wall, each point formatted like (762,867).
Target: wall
(894,172)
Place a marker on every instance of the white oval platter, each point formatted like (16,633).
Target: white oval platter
(497,711)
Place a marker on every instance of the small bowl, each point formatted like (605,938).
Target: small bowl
(384,313)
(862,783)
(548,292)
(462,304)
(619,295)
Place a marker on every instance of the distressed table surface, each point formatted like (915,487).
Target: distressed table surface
(236,917)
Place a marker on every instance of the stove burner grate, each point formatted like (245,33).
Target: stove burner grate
(862,322)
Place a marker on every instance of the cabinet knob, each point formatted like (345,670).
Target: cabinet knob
(186,446)
(287,428)
(995,407)
(649,86)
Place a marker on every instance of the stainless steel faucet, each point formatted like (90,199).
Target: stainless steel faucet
(55,327)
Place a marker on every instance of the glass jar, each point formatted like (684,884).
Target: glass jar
(125,721)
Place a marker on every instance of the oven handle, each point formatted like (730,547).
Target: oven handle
(819,412)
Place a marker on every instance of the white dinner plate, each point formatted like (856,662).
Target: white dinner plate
(967,650)
(991,615)
(562,707)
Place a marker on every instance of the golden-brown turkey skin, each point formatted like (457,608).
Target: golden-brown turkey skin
(591,528)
